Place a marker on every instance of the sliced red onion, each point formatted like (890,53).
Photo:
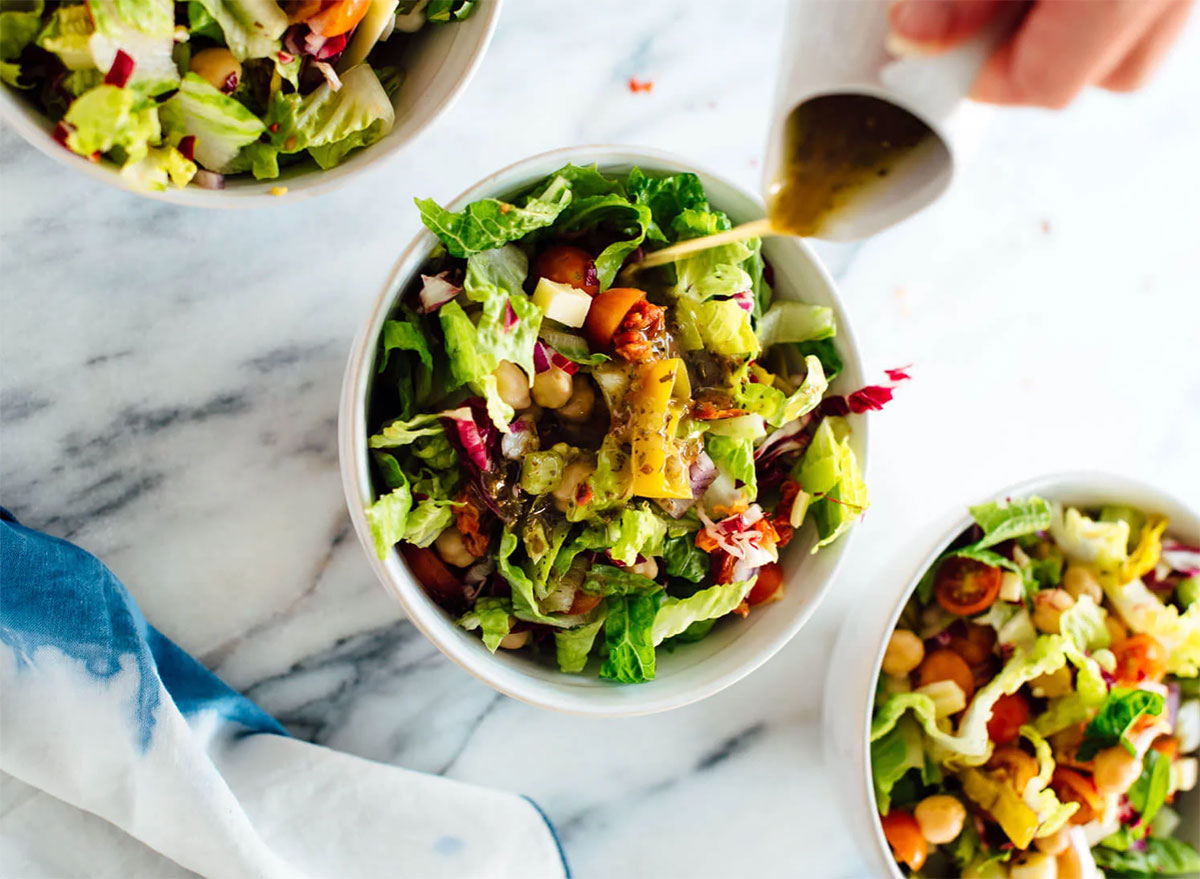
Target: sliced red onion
(745,300)
(478,573)
(121,70)
(541,357)
(61,132)
(469,437)
(285,57)
(187,146)
(209,179)
(570,367)
(519,441)
(701,474)
(294,38)
(744,570)
(510,317)
(436,291)
(331,47)
(313,43)
(331,77)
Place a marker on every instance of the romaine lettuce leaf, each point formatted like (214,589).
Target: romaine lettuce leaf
(892,756)
(18,28)
(490,222)
(676,614)
(610,580)
(787,321)
(494,616)
(1083,623)
(683,559)
(145,31)
(1009,519)
(776,407)
(220,124)
(1168,856)
(628,632)
(637,531)
(388,518)
(829,472)
(572,646)
(824,350)
(614,210)
(1104,544)
(734,457)
(401,433)
(427,520)
(104,118)
(1178,632)
(722,326)
(667,198)
(251,28)
(158,168)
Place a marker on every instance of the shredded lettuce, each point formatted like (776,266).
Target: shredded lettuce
(18,28)
(572,646)
(490,222)
(142,29)
(829,473)
(108,117)
(677,614)
(734,457)
(1103,544)
(251,28)
(795,322)
(493,616)
(402,433)
(1083,623)
(220,124)
(628,632)
(1009,519)
(892,756)
(388,518)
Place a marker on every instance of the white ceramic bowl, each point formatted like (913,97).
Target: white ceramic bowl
(735,648)
(854,666)
(438,65)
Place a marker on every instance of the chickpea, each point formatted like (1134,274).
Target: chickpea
(1078,581)
(515,640)
(219,68)
(574,475)
(1053,684)
(582,399)
(1033,865)
(647,568)
(940,818)
(552,388)
(1115,770)
(1056,843)
(450,547)
(1048,607)
(512,384)
(1117,632)
(904,653)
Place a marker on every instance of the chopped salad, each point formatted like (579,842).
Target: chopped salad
(1038,708)
(191,92)
(584,469)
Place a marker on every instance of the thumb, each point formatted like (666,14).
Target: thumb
(935,25)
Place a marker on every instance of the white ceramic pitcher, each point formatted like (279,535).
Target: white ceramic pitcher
(841,47)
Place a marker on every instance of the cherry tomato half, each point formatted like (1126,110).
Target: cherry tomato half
(769,584)
(433,575)
(565,264)
(976,645)
(904,836)
(608,310)
(1140,658)
(1009,714)
(966,587)
(583,602)
(946,665)
(338,18)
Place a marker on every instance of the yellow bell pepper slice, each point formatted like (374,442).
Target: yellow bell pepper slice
(1149,548)
(654,424)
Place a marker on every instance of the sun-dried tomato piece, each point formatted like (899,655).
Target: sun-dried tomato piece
(467,518)
(706,410)
(639,331)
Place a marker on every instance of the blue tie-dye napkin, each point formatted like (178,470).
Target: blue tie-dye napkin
(105,714)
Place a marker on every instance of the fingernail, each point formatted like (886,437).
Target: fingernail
(922,21)
(903,47)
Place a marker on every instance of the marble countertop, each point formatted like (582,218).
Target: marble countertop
(170,381)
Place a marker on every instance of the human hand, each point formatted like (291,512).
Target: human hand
(1058,48)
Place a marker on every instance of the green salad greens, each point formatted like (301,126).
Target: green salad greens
(593,470)
(182,92)
(1037,711)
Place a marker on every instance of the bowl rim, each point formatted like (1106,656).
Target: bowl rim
(355,467)
(258,193)
(1047,485)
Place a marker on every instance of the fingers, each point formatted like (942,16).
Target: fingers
(1063,46)
(1135,68)
(934,25)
